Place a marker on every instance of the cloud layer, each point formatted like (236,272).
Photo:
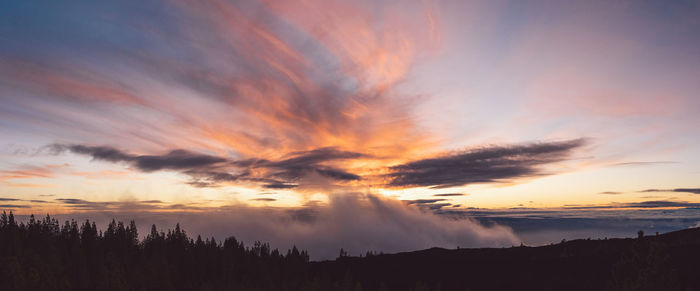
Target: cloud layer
(355,222)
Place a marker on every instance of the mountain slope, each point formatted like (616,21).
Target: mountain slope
(665,262)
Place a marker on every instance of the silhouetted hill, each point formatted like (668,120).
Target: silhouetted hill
(44,255)
(665,262)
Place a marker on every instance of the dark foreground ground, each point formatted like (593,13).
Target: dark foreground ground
(45,255)
(669,261)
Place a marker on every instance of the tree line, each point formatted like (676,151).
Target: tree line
(43,254)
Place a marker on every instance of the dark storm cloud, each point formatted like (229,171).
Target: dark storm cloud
(643,204)
(174,160)
(488,164)
(177,159)
(9,199)
(687,190)
(662,203)
(98,152)
(428,204)
(201,184)
(264,199)
(82,204)
(423,201)
(279,186)
(435,206)
(299,164)
(449,194)
(678,190)
(13,206)
(285,173)
(337,174)
(316,156)
(17,199)
(210,171)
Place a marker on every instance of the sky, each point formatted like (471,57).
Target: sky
(445,123)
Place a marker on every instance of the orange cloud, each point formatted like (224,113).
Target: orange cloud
(283,103)
(270,79)
(107,174)
(27,172)
(66,82)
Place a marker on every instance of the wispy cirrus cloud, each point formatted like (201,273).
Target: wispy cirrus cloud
(611,193)
(651,163)
(266,83)
(449,194)
(13,206)
(671,190)
(424,201)
(677,190)
(270,78)
(9,199)
(265,94)
(8,177)
(26,172)
(77,204)
(642,204)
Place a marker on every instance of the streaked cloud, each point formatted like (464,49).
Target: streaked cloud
(264,199)
(642,204)
(13,206)
(482,165)
(9,199)
(611,193)
(26,172)
(449,194)
(174,160)
(652,163)
(677,190)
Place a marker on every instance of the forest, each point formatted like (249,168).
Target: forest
(43,254)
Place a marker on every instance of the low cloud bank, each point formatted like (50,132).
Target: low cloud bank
(355,222)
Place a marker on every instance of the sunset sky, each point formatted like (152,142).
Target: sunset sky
(431,107)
